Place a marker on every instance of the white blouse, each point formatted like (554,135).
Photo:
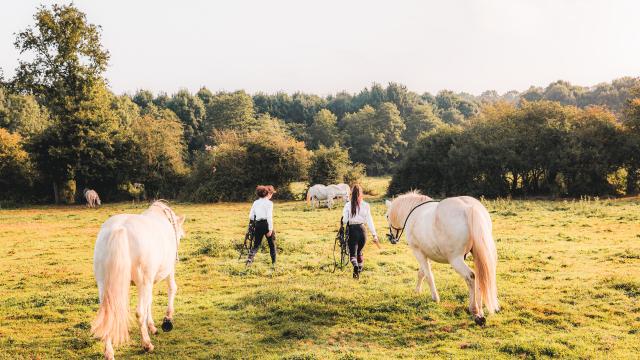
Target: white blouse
(262,209)
(362,216)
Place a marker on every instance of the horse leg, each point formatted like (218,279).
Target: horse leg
(145,293)
(469,277)
(150,323)
(425,272)
(108,350)
(167,324)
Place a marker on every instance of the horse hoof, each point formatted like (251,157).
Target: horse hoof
(167,325)
(148,347)
(480,320)
(153,331)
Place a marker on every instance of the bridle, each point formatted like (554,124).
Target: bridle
(171,217)
(400,231)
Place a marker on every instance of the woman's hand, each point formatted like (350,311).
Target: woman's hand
(270,233)
(377,241)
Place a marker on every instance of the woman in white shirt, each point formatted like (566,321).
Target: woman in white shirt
(356,213)
(262,213)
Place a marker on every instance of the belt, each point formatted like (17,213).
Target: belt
(261,220)
(356,223)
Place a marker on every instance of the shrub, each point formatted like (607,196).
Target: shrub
(328,165)
(230,170)
(16,170)
(332,166)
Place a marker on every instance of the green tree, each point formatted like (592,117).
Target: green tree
(16,172)
(324,130)
(420,119)
(158,155)
(328,165)
(375,137)
(229,111)
(64,70)
(191,111)
(22,114)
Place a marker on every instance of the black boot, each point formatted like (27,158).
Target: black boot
(356,272)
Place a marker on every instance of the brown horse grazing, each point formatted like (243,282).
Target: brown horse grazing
(92,198)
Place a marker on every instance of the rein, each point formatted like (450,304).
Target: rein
(169,214)
(400,231)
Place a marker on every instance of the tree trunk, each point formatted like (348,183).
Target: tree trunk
(56,196)
(632,180)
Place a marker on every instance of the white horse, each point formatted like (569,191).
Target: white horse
(134,248)
(341,191)
(445,232)
(320,193)
(92,198)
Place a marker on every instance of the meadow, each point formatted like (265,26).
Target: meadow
(568,282)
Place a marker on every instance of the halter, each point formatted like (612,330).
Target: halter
(170,216)
(399,232)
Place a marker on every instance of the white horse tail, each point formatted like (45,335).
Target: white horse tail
(98,199)
(485,256)
(112,320)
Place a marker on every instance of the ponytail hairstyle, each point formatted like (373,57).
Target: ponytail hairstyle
(355,195)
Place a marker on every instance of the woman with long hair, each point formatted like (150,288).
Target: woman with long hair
(356,214)
(262,213)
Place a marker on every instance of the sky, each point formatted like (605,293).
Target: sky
(328,46)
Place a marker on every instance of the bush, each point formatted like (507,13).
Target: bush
(16,170)
(230,170)
(328,165)
(332,166)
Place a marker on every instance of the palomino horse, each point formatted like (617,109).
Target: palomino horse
(92,198)
(134,248)
(319,193)
(445,232)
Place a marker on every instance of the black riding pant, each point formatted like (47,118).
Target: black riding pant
(262,228)
(357,240)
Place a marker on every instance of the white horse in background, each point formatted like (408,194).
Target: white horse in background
(92,198)
(318,194)
(341,191)
(445,232)
(142,249)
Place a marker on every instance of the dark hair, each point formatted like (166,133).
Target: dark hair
(264,190)
(355,194)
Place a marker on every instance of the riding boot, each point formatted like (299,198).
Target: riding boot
(273,248)
(252,255)
(356,268)
(360,262)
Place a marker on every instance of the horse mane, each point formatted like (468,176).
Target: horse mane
(402,204)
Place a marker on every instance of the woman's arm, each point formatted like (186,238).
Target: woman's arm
(270,216)
(252,212)
(345,212)
(370,224)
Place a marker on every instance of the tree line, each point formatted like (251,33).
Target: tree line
(62,129)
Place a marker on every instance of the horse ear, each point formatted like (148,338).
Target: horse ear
(387,202)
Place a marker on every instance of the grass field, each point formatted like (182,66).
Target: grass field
(568,282)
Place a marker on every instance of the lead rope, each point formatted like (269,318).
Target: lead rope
(400,231)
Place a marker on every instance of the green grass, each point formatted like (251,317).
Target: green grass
(568,280)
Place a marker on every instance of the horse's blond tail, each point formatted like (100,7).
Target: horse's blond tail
(485,257)
(112,320)
(309,196)
(98,200)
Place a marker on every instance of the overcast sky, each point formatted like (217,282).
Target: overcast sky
(328,46)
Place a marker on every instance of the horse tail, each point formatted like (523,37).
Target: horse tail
(309,196)
(485,256)
(98,199)
(112,320)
